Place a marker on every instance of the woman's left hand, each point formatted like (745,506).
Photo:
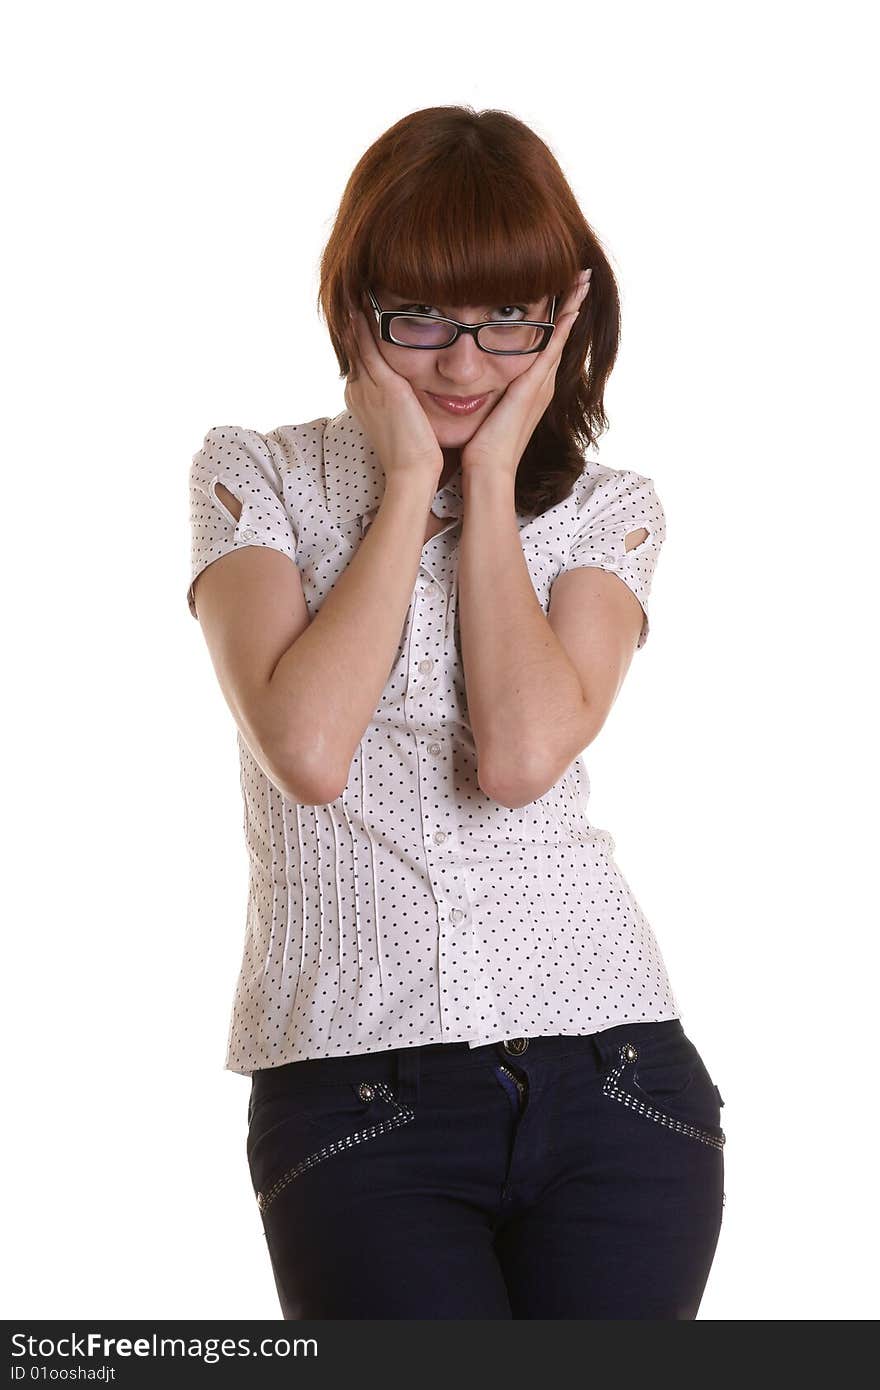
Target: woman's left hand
(500,441)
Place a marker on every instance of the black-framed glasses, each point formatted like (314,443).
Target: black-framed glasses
(428,332)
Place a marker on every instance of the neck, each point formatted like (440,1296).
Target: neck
(451,465)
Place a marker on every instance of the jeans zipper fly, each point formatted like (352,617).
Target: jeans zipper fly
(515,1079)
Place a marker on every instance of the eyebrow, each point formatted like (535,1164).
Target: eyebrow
(412,299)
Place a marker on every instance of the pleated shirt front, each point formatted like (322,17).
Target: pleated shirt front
(414,908)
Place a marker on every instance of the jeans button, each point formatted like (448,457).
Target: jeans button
(515,1046)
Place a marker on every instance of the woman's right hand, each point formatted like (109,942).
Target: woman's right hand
(389,412)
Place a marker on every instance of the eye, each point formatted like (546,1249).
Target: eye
(429,308)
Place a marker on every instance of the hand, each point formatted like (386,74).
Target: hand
(501,440)
(389,412)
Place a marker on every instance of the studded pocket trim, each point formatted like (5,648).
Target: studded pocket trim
(403,1114)
(628,1055)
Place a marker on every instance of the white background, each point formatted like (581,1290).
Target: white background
(175,172)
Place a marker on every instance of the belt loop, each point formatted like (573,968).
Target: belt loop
(407,1074)
(605,1046)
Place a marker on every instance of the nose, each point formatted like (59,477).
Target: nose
(462,364)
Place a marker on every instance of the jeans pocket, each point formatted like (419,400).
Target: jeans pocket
(662,1078)
(666,1067)
(289,1134)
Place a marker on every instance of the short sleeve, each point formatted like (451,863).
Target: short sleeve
(611,505)
(243,461)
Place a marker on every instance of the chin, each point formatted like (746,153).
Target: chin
(455,438)
(462,429)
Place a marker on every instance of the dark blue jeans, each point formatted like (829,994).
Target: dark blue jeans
(545,1177)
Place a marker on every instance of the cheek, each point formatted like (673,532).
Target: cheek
(508,372)
(514,368)
(398,359)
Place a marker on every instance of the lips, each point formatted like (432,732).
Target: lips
(459,405)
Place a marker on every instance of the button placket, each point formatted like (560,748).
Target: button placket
(430,586)
(460,975)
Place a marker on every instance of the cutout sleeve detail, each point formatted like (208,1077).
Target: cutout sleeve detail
(243,461)
(615,509)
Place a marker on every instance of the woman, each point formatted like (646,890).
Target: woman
(472,1095)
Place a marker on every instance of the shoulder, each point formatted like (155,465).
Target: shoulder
(250,455)
(232,449)
(615,497)
(599,484)
(300,444)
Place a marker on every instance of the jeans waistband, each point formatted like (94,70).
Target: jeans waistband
(402,1067)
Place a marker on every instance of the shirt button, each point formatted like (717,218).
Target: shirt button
(456,914)
(434,747)
(439,836)
(426,665)
(247,534)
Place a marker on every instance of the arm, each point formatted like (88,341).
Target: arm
(524,697)
(325,688)
(538,688)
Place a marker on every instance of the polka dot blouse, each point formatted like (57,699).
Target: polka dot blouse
(413,908)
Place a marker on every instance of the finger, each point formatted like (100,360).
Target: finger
(565,320)
(574,304)
(374,362)
(363,341)
(555,348)
(579,289)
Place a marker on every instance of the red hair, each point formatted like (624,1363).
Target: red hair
(457,206)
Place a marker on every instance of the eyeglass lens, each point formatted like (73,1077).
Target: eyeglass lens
(411,331)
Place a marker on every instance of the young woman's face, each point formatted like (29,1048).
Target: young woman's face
(460,370)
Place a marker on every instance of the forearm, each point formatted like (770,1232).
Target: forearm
(524,696)
(330,681)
